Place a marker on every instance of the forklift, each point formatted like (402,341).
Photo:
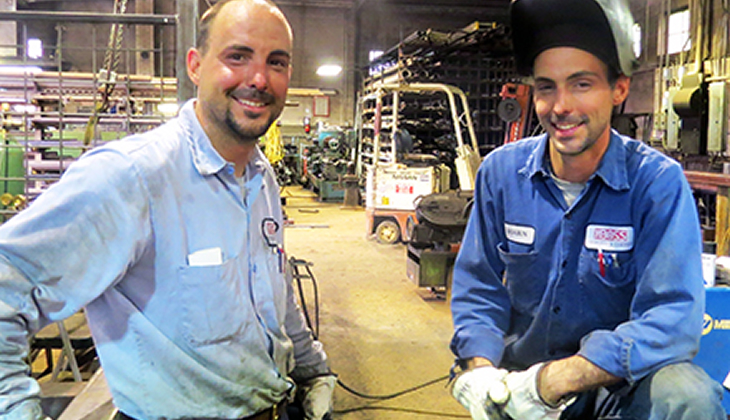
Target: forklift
(397,178)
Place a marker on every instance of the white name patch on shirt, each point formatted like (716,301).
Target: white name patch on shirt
(609,238)
(524,235)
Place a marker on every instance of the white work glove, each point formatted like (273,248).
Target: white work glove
(525,401)
(482,391)
(316,396)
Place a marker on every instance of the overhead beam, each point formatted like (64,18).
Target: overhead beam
(482,12)
(339,4)
(87,17)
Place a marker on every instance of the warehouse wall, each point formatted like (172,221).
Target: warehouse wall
(382,25)
(8,30)
(642,84)
(323,34)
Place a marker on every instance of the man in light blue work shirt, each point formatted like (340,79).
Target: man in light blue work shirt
(578,291)
(172,241)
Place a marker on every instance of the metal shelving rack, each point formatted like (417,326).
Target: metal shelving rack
(477,59)
(45,112)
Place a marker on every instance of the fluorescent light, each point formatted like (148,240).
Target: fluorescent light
(329,70)
(20,69)
(373,54)
(35,48)
(167,108)
(23,108)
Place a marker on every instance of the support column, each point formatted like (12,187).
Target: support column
(145,40)
(187,29)
(722,220)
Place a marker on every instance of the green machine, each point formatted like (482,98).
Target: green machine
(328,159)
(12,171)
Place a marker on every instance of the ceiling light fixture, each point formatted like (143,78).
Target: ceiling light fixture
(329,70)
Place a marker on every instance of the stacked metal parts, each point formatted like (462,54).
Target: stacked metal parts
(477,59)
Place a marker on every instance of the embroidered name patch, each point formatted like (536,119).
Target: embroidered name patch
(609,238)
(524,235)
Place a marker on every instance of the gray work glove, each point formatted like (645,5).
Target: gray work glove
(27,410)
(524,398)
(316,397)
(482,391)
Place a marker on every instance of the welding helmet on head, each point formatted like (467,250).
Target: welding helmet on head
(603,28)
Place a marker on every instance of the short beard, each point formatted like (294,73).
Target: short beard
(246,135)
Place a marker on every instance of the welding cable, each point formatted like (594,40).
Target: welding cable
(397,394)
(404,410)
(391,396)
(295,264)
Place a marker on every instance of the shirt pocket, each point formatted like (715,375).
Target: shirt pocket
(615,271)
(522,279)
(606,296)
(215,303)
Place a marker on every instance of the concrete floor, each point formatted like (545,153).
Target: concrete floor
(381,332)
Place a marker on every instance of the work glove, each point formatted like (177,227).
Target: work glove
(525,401)
(482,391)
(28,410)
(316,397)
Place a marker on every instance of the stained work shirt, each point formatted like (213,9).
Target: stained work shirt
(616,277)
(179,269)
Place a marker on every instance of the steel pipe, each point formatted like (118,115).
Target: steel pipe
(88,17)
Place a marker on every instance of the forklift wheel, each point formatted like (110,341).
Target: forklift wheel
(387,232)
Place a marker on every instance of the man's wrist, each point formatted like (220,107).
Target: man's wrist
(476,362)
(561,379)
(548,390)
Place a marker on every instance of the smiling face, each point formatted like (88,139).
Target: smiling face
(574,100)
(243,71)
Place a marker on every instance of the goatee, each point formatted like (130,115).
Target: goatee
(246,135)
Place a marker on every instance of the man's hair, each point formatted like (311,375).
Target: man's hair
(612,75)
(206,21)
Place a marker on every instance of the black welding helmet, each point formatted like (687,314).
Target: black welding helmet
(603,28)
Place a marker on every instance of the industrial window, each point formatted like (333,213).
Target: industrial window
(679,39)
(34,48)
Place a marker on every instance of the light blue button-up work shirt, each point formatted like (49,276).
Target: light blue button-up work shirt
(616,277)
(179,266)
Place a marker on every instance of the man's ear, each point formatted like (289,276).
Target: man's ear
(193,65)
(621,90)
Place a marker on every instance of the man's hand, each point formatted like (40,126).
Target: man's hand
(316,396)
(525,401)
(482,391)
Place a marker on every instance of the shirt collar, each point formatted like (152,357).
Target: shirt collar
(206,159)
(612,169)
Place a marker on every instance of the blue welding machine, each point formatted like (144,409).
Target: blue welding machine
(714,354)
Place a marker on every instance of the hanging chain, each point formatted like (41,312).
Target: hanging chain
(108,74)
(113,52)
